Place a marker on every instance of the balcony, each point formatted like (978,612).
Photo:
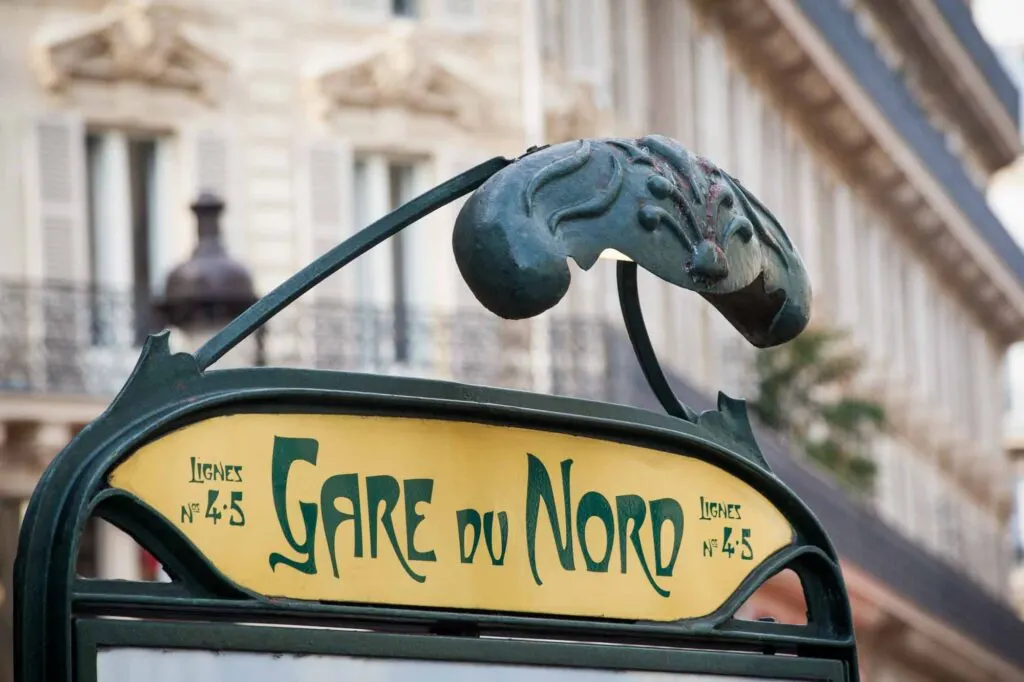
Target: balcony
(82,341)
(78,341)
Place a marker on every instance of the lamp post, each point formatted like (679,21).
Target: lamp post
(209,289)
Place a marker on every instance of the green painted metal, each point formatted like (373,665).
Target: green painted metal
(96,634)
(674,213)
(55,612)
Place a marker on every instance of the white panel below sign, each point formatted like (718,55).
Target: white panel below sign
(183,665)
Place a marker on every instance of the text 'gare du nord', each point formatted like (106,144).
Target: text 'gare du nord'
(295,497)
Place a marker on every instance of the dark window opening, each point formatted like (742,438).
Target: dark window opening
(399,191)
(117,315)
(141,172)
(98,333)
(404,8)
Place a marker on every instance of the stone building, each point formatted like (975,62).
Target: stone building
(1002,24)
(871,127)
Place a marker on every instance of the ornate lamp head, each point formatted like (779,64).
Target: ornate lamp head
(675,214)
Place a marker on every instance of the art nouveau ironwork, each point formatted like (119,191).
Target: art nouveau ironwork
(435,514)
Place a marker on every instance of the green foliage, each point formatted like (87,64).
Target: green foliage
(803,390)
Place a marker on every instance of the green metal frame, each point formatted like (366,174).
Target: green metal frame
(55,612)
(93,635)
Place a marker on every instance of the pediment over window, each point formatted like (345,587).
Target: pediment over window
(400,71)
(141,41)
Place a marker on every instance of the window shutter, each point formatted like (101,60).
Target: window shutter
(365,9)
(806,212)
(461,10)
(326,332)
(748,106)
(712,87)
(581,52)
(588,38)
(326,203)
(552,33)
(56,185)
(628,40)
(213,174)
(211,158)
(12,226)
(209,166)
(57,227)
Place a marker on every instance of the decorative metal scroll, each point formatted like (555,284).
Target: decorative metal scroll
(676,214)
(202,467)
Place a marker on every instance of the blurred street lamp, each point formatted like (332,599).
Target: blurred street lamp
(209,289)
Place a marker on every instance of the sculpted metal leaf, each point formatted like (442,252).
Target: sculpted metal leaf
(674,213)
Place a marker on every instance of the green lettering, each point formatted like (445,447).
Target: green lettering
(341,487)
(662,511)
(384,490)
(595,505)
(287,451)
(538,487)
(489,536)
(470,518)
(632,508)
(416,490)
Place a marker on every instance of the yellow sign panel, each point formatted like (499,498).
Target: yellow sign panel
(415,512)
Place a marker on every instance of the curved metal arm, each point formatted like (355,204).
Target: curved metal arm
(341,255)
(636,329)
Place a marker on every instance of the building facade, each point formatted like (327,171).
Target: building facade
(870,127)
(1002,24)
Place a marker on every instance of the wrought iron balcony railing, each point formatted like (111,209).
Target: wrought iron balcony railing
(84,341)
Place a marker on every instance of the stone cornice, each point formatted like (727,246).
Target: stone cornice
(140,41)
(809,55)
(962,76)
(400,71)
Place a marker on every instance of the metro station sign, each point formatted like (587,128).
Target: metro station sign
(353,526)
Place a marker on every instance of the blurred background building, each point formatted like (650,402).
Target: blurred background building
(871,127)
(1002,24)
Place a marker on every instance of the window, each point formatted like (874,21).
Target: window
(404,8)
(124,182)
(400,190)
(627,62)
(829,254)
(946,517)
(382,184)
(1017,522)
(1008,386)
(550,26)
(907,320)
(379,10)
(772,161)
(588,45)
